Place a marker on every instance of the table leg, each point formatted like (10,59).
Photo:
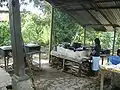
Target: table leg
(40,60)
(31,59)
(102,60)
(102,81)
(108,58)
(5,62)
(79,71)
(63,64)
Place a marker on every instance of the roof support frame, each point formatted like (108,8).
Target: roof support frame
(98,8)
(66,3)
(89,1)
(114,25)
(94,6)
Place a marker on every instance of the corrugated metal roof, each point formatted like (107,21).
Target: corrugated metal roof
(99,14)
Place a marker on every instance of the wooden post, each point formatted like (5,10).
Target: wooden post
(51,34)
(16,37)
(20,81)
(113,48)
(84,35)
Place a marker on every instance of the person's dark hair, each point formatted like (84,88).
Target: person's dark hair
(97,41)
(118,52)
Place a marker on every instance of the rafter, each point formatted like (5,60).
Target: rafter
(98,8)
(78,2)
(114,25)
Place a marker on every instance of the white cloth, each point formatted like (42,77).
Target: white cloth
(95,64)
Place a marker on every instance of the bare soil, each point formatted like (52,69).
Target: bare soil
(52,79)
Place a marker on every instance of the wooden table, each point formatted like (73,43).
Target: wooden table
(6,53)
(66,59)
(32,49)
(30,54)
(105,69)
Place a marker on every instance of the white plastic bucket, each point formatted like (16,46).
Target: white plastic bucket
(95,64)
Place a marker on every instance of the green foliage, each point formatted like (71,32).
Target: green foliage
(65,28)
(105,38)
(4,33)
(35,29)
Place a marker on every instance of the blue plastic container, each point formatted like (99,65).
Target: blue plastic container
(114,60)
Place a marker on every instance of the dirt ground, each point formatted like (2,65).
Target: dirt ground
(52,79)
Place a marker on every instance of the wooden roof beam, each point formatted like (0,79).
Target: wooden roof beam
(98,8)
(78,2)
(114,25)
(83,1)
(106,1)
